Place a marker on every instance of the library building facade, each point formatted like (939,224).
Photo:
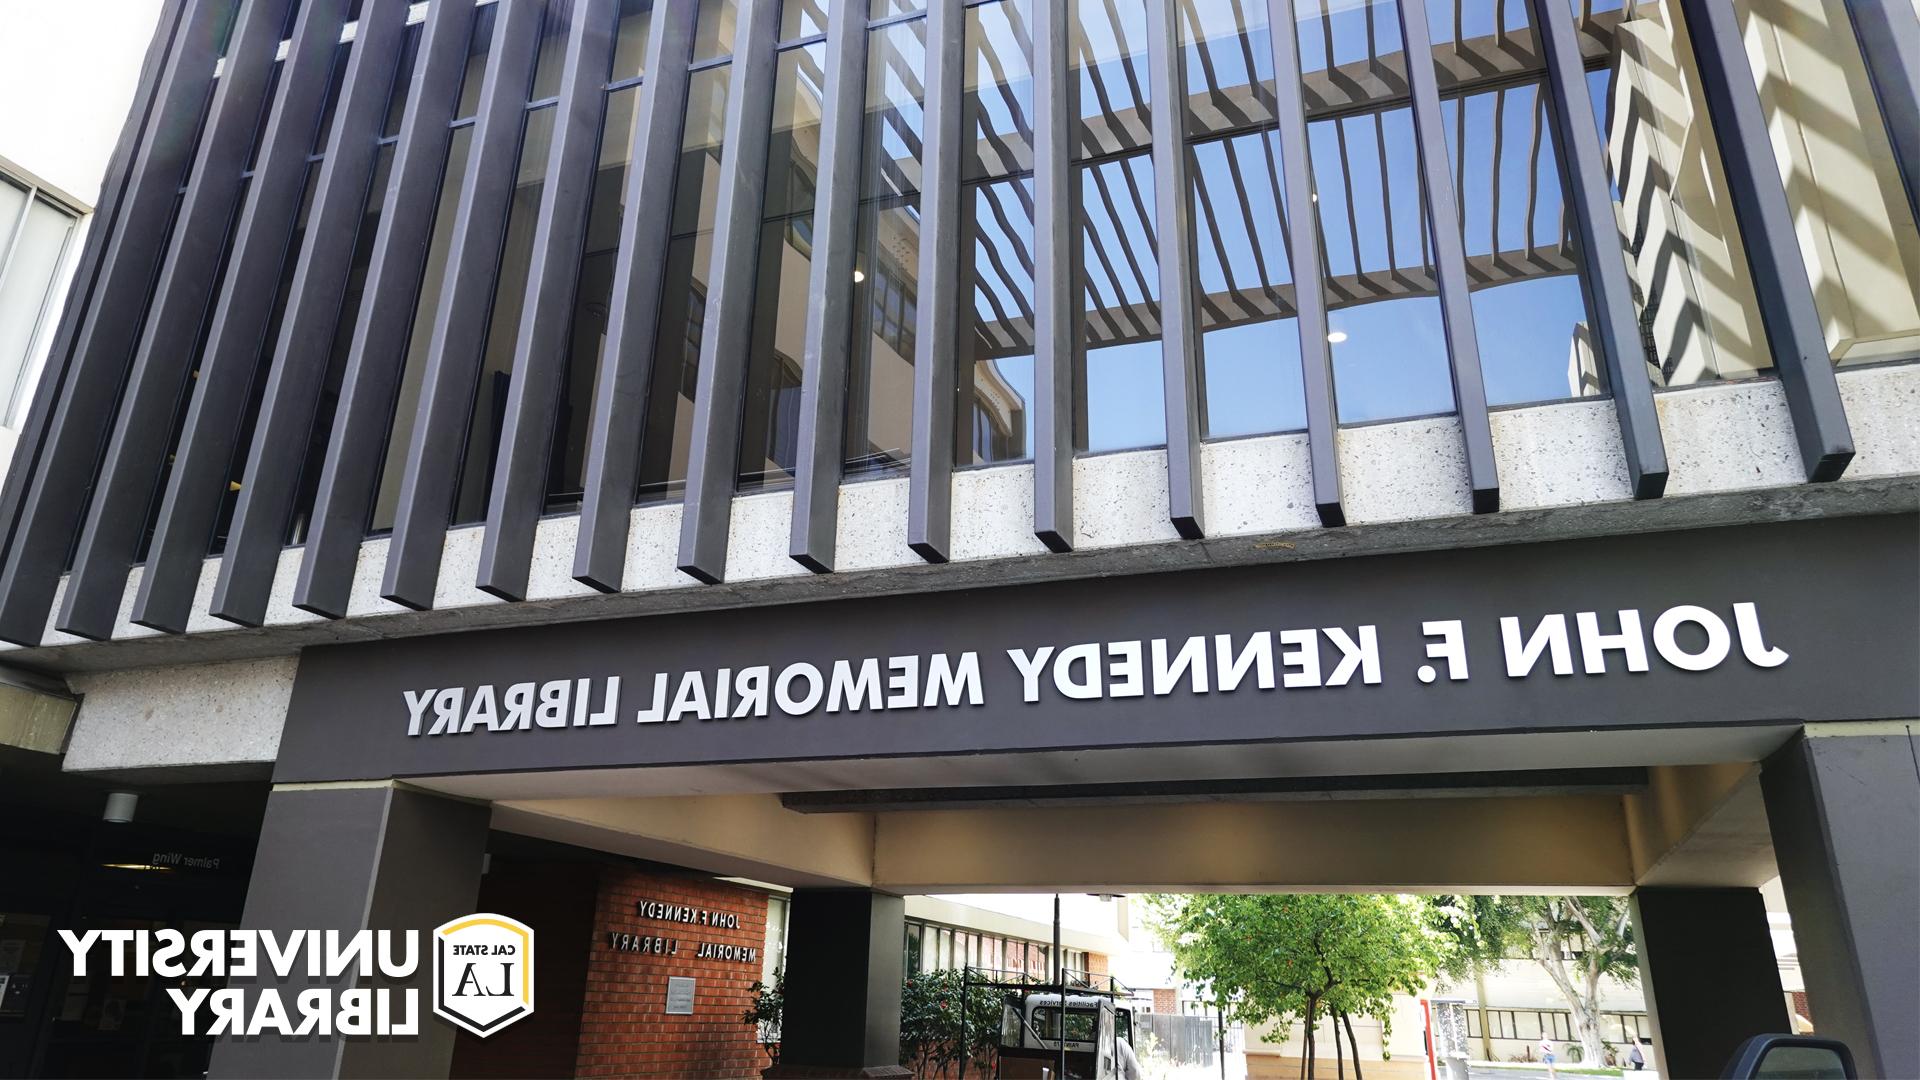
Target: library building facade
(664,488)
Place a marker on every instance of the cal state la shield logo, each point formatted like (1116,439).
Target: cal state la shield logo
(483,972)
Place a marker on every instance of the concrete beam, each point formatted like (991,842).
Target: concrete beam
(750,836)
(1544,844)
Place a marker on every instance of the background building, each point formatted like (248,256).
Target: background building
(69,92)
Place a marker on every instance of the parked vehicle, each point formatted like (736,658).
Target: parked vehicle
(1030,1034)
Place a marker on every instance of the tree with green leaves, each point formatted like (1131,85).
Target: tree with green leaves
(1280,958)
(931,1020)
(934,1007)
(1577,940)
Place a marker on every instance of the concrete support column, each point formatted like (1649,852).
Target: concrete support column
(1709,973)
(351,858)
(1844,810)
(846,954)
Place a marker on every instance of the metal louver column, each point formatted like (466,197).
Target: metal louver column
(823,379)
(1795,336)
(1173,242)
(1449,258)
(460,319)
(713,456)
(930,471)
(1616,329)
(540,353)
(308,329)
(198,480)
(141,177)
(1055,130)
(367,389)
(166,360)
(626,361)
(1304,256)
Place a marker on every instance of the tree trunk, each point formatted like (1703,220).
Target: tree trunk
(1593,1049)
(1352,1042)
(1312,1012)
(1339,1057)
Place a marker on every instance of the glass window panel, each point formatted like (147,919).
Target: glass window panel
(995,359)
(1120,363)
(886,263)
(402,82)
(1850,206)
(27,309)
(769,433)
(477,48)
(503,327)
(266,113)
(1229,64)
(896,61)
(323,417)
(713,29)
(336,77)
(887,9)
(184,399)
(999,91)
(1524,267)
(676,359)
(802,18)
(1107,51)
(550,56)
(592,292)
(630,39)
(13,200)
(1684,253)
(427,303)
(1383,319)
(263,361)
(1249,341)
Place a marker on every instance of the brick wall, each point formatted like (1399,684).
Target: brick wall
(1165,1001)
(1097,964)
(624,1028)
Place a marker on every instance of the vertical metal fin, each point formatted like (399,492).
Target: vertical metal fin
(1449,257)
(1889,35)
(308,329)
(1055,123)
(1616,322)
(351,471)
(626,362)
(198,480)
(1780,282)
(930,476)
(165,361)
(1173,231)
(1304,255)
(23,608)
(540,354)
(836,212)
(713,456)
(452,371)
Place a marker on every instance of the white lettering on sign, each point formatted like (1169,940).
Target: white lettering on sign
(1684,637)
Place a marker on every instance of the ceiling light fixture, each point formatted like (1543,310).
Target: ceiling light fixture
(120,807)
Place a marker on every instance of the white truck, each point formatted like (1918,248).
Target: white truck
(1096,1029)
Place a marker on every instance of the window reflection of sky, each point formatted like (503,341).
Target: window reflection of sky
(1388,345)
